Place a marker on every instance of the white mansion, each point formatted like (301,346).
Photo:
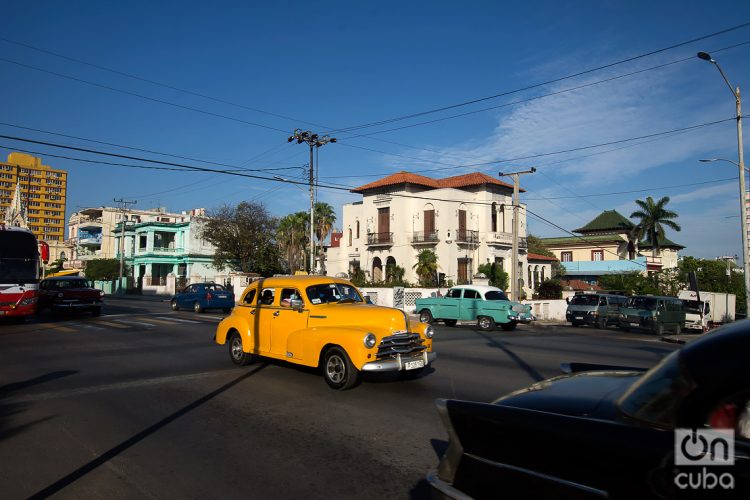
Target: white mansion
(465,219)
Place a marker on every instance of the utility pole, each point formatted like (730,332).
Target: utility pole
(123,208)
(515,288)
(314,141)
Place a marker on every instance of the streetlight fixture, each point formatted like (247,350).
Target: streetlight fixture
(314,141)
(711,160)
(741,168)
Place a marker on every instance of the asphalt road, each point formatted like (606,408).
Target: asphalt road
(140,402)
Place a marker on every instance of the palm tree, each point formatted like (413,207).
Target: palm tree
(426,266)
(653,217)
(325,217)
(292,239)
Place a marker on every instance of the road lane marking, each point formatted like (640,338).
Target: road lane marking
(82,391)
(136,323)
(160,321)
(179,320)
(64,329)
(111,324)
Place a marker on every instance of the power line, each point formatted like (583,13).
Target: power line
(141,96)
(548,82)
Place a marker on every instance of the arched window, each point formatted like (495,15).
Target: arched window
(377,269)
(493,226)
(350,236)
(543,273)
(62,255)
(357,232)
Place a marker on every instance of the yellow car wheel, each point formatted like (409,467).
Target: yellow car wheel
(236,354)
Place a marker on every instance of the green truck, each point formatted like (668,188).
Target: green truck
(487,305)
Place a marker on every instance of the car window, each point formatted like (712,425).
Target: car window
(250,297)
(287,295)
(471,294)
(603,301)
(495,295)
(454,293)
(654,397)
(648,303)
(266,298)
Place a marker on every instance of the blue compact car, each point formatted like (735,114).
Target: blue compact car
(202,296)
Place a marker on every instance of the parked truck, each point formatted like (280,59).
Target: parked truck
(718,308)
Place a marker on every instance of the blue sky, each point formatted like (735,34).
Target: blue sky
(333,65)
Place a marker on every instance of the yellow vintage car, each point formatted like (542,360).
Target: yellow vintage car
(324,322)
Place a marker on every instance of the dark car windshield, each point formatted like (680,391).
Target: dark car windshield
(333,292)
(691,306)
(495,295)
(59,284)
(641,303)
(654,397)
(584,300)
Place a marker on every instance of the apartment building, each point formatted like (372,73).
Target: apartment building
(43,192)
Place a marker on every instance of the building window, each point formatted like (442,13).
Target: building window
(494,217)
(597,254)
(357,226)
(566,256)
(350,236)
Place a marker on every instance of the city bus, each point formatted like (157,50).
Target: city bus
(19,272)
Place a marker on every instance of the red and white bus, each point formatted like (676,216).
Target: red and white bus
(19,272)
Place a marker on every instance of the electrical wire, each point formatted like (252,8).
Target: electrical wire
(536,85)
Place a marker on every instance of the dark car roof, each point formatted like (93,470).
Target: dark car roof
(720,358)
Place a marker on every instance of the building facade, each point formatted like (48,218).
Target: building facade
(154,249)
(605,246)
(91,230)
(466,220)
(43,192)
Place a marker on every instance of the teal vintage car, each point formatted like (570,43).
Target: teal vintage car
(487,305)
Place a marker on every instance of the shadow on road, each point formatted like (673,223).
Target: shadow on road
(116,450)
(535,375)
(8,410)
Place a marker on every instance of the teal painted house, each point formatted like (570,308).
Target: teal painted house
(155,249)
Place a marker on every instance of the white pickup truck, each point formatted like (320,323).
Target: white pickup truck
(718,308)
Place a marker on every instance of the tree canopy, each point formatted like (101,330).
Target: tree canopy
(653,216)
(103,269)
(244,237)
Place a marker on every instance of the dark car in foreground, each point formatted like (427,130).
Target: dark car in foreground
(202,296)
(69,293)
(611,432)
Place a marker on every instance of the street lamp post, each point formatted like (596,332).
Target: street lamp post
(515,278)
(314,141)
(741,167)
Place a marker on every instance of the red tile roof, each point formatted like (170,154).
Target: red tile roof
(580,285)
(536,256)
(456,181)
(399,178)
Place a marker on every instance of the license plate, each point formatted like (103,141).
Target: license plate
(413,365)
(2,312)
(222,296)
(579,317)
(633,324)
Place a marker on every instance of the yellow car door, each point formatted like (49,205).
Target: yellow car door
(286,321)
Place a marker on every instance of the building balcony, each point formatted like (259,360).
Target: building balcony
(467,237)
(89,241)
(653,263)
(500,239)
(169,250)
(379,239)
(424,238)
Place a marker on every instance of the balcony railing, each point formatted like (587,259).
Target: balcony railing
(500,238)
(380,238)
(167,250)
(466,236)
(424,237)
